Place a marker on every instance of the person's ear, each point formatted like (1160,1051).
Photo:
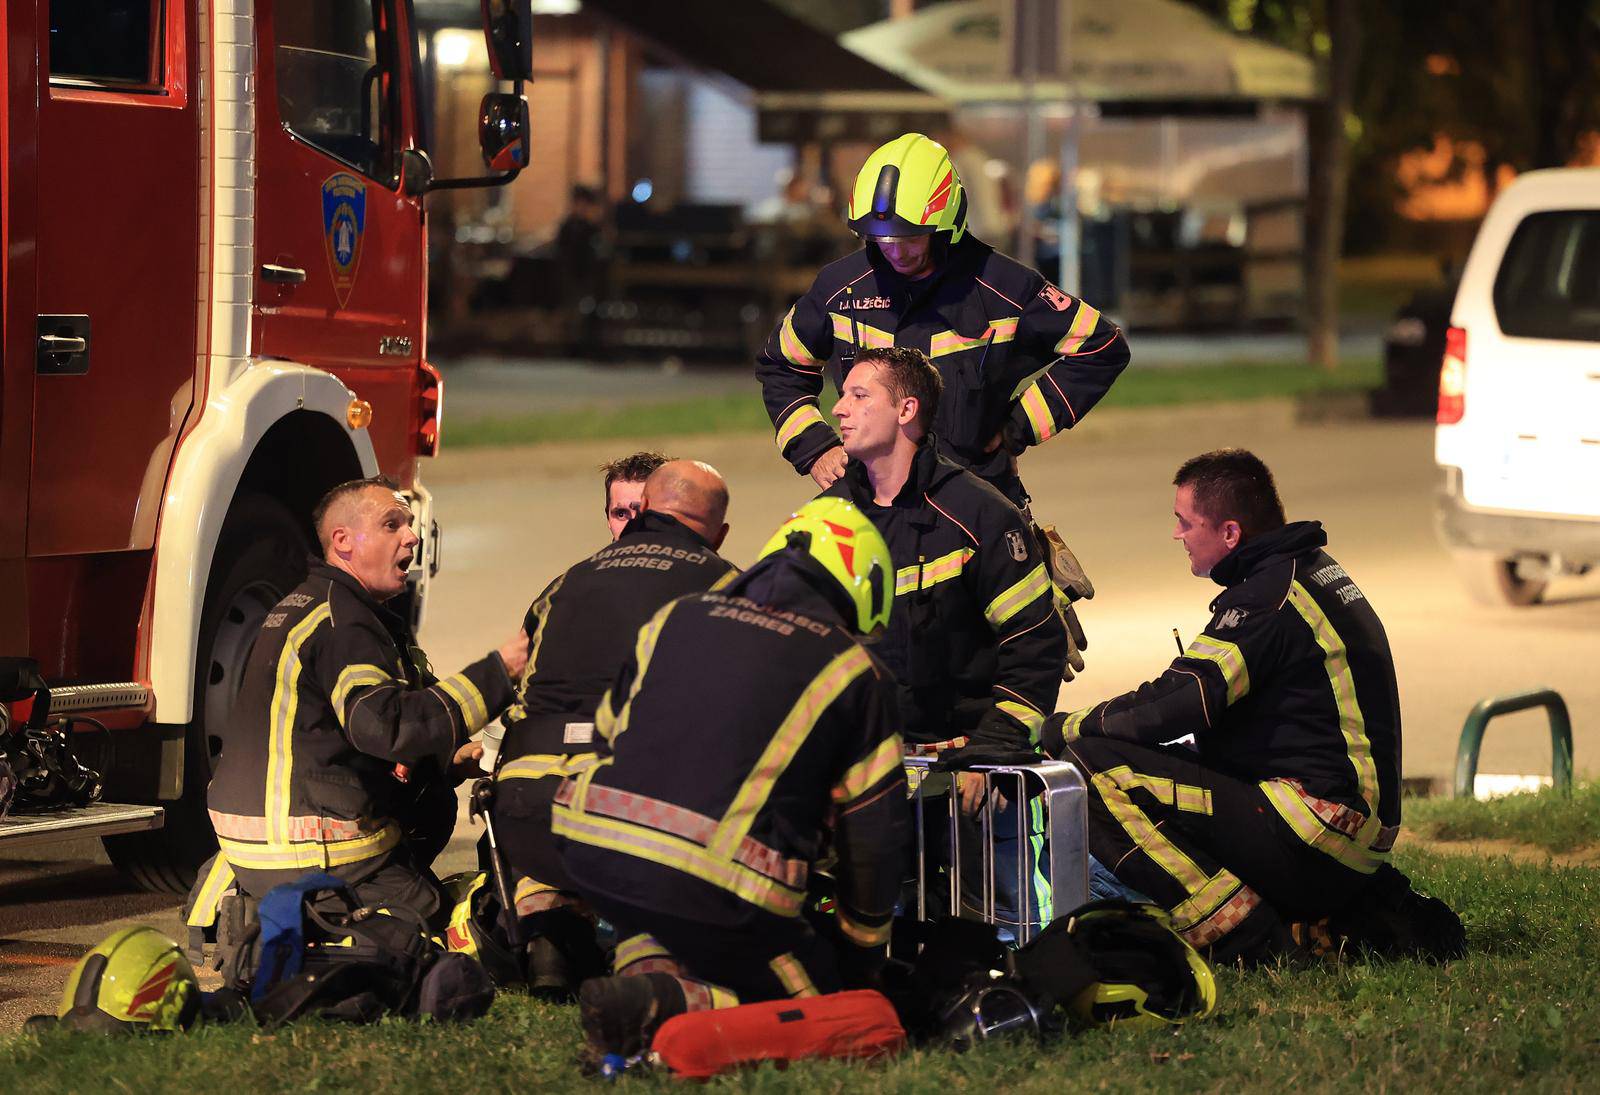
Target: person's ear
(910,406)
(340,541)
(722,534)
(1232,533)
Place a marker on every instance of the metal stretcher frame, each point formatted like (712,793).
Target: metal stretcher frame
(1060,789)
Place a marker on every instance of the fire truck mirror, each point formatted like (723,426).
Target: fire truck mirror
(416,172)
(508,29)
(503,131)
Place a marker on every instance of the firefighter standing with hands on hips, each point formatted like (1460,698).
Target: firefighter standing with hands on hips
(1021,360)
(342,750)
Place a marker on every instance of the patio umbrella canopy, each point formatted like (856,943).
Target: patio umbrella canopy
(1130,51)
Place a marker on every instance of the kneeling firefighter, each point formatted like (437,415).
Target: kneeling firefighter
(750,736)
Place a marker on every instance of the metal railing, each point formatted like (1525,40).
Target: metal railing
(1477,723)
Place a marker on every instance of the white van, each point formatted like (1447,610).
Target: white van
(1518,436)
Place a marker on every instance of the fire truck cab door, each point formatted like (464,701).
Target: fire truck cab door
(117,276)
(339,250)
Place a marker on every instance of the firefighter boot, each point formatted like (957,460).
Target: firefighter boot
(561,952)
(621,1015)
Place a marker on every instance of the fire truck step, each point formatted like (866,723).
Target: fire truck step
(97,697)
(101,819)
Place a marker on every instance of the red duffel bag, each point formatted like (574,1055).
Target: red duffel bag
(854,1025)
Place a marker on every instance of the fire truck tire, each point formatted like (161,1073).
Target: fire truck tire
(261,555)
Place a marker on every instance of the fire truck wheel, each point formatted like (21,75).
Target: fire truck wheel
(261,555)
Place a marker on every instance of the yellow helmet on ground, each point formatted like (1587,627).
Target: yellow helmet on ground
(908,187)
(1148,974)
(838,536)
(134,978)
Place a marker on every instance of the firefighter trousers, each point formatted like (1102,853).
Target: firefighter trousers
(769,957)
(1207,846)
(524,790)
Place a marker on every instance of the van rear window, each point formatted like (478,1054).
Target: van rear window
(1549,281)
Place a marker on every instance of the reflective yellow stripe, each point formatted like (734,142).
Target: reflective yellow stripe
(800,419)
(541,608)
(1083,325)
(1207,900)
(824,688)
(1352,723)
(218,879)
(474,711)
(610,722)
(792,976)
(1018,597)
(863,775)
(285,704)
(1073,726)
(352,677)
(724,582)
(1309,828)
(1113,786)
(1040,420)
(1194,800)
(674,852)
(863,935)
(301,854)
(637,948)
(860,334)
(1024,714)
(942,343)
(542,765)
(931,573)
(792,347)
(1228,658)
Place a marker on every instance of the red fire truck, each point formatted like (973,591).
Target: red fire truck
(214,297)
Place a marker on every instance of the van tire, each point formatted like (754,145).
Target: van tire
(261,555)
(1492,579)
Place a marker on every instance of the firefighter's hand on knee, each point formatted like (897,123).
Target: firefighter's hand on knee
(465,764)
(829,466)
(1075,644)
(969,791)
(514,653)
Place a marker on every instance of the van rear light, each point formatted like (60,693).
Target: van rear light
(430,405)
(1453,377)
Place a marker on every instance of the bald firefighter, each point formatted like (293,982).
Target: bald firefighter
(343,747)
(582,628)
(748,738)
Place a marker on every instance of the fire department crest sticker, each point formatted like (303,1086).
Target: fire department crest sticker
(344,221)
(1055,297)
(1017,546)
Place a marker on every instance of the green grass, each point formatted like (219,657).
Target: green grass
(1547,819)
(1519,1010)
(742,411)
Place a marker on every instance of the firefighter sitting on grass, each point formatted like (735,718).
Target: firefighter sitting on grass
(343,747)
(749,735)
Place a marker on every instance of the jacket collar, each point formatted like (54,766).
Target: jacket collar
(929,471)
(655,523)
(960,262)
(1258,552)
(391,620)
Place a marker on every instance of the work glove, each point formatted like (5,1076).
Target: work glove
(1072,584)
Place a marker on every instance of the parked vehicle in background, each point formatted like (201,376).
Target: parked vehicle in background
(214,292)
(1518,435)
(1413,349)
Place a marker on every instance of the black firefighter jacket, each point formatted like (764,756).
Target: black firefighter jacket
(1014,352)
(743,740)
(583,624)
(1292,686)
(335,694)
(974,637)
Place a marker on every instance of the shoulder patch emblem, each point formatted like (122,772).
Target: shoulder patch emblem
(1232,618)
(1055,297)
(1017,545)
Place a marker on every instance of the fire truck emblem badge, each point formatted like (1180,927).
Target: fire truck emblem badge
(344,220)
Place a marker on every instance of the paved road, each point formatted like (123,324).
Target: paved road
(513,518)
